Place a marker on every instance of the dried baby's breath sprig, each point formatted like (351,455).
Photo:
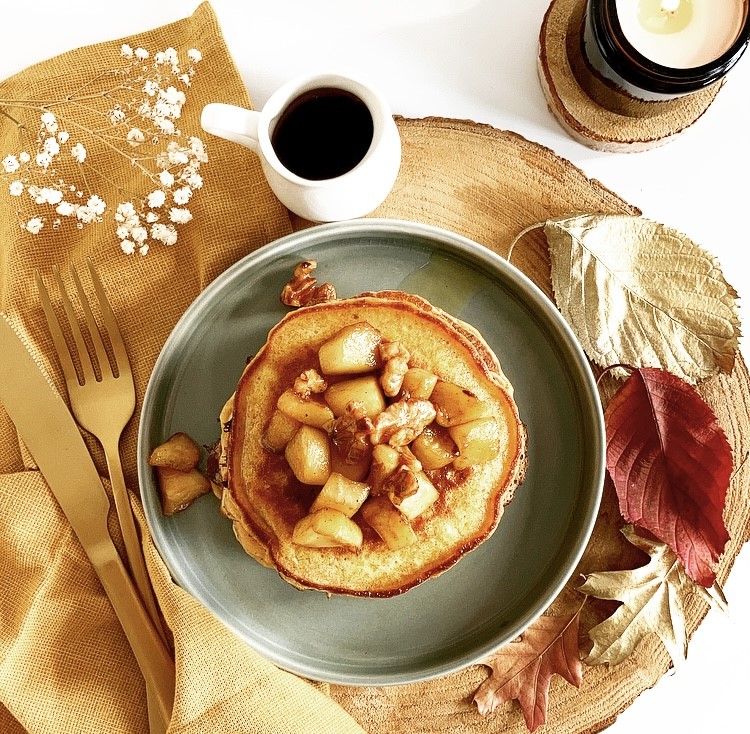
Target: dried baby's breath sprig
(133,112)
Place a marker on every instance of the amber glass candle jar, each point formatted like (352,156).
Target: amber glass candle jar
(661,49)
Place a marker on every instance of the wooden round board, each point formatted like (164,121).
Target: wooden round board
(591,109)
(489,185)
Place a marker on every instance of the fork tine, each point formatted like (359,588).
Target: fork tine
(93,327)
(84,357)
(110,322)
(58,338)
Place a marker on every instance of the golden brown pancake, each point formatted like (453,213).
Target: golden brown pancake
(264,499)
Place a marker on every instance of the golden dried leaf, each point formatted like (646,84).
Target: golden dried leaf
(640,293)
(653,599)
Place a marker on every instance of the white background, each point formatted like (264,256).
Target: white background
(476,59)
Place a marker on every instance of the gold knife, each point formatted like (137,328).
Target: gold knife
(49,432)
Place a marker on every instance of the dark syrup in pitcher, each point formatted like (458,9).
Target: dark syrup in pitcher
(323,133)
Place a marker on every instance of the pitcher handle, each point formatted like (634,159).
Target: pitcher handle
(231,123)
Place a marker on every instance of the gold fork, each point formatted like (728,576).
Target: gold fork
(103,405)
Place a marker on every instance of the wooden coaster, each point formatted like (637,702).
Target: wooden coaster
(592,109)
(489,185)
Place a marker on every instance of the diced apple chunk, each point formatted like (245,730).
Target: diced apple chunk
(388,522)
(308,454)
(365,390)
(477,441)
(179,452)
(342,494)
(418,383)
(357,470)
(311,411)
(415,504)
(434,447)
(327,528)
(352,350)
(385,460)
(455,404)
(279,431)
(178,489)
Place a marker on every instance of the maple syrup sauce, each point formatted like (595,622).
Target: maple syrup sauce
(323,133)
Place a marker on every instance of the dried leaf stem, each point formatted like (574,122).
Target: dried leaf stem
(521,235)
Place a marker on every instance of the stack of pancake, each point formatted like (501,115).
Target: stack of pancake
(264,497)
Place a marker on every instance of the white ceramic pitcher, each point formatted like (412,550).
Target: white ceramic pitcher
(349,194)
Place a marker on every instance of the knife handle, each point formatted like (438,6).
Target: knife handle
(148,647)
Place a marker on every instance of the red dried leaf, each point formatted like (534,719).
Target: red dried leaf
(671,464)
(522,670)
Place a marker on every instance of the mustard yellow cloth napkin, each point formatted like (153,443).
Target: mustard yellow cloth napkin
(65,665)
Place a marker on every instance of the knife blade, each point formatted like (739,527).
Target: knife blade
(49,431)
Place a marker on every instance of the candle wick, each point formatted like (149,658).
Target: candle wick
(670,6)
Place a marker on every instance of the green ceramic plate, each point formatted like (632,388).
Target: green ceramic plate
(492,594)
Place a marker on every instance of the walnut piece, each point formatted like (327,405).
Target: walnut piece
(396,363)
(401,484)
(400,423)
(303,288)
(309,382)
(349,432)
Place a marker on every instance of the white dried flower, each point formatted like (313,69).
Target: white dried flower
(194,181)
(34,225)
(127,246)
(198,149)
(51,146)
(165,125)
(179,216)
(50,122)
(96,205)
(11,164)
(135,136)
(126,214)
(182,195)
(139,234)
(173,96)
(43,159)
(165,233)
(177,157)
(116,115)
(156,198)
(84,214)
(162,160)
(168,56)
(78,151)
(65,209)
(151,88)
(48,195)
(169,160)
